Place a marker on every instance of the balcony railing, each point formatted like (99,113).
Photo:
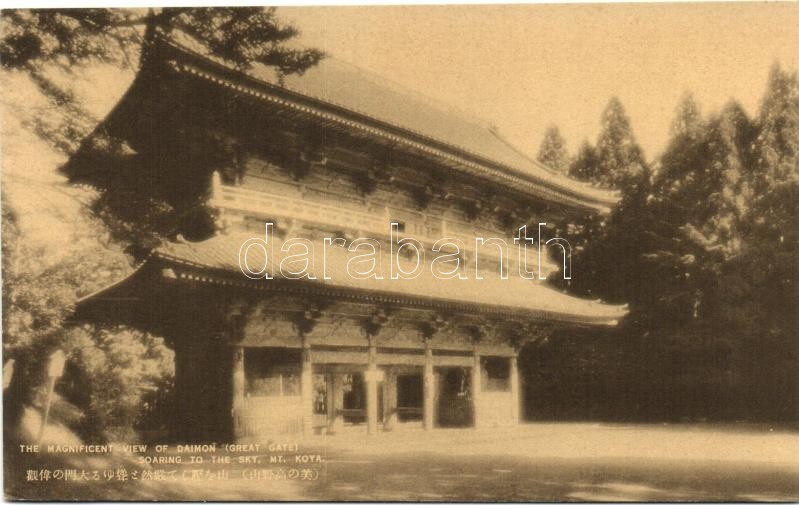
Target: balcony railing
(261,204)
(342,218)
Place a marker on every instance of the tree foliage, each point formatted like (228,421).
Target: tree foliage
(553,152)
(619,158)
(705,252)
(584,164)
(605,247)
(115,375)
(240,35)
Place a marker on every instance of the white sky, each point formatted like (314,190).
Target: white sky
(523,67)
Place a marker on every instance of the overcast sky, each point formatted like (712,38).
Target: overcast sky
(523,67)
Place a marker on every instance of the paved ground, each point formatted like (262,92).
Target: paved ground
(541,462)
(574,461)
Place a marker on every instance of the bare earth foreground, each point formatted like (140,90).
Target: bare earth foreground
(532,462)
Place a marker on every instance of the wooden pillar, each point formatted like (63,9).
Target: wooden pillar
(330,406)
(331,402)
(239,380)
(389,400)
(477,388)
(306,385)
(371,390)
(334,415)
(514,390)
(238,389)
(429,388)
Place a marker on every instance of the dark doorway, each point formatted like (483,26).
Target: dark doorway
(354,389)
(455,397)
(410,397)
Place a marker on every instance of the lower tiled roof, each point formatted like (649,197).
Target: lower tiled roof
(221,254)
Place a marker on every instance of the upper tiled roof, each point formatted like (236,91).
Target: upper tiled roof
(532,297)
(346,86)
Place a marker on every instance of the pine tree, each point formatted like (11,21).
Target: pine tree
(553,152)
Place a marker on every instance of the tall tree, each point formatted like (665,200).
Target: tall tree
(761,289)
(609,264)
(699,197)
(553,152)
(610,248)
(684,152)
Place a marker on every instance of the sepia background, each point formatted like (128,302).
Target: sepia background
(567,60)
(690,112)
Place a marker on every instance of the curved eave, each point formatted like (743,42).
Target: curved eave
(189,271)
(569,192)
(120,302)
(105,303)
